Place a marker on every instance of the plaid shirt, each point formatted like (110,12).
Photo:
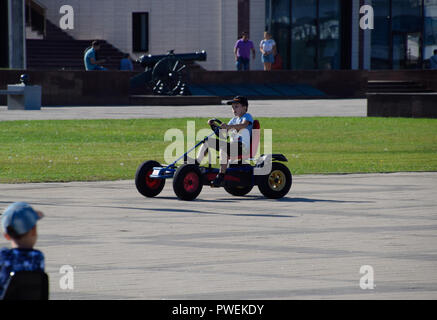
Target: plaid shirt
(18,260)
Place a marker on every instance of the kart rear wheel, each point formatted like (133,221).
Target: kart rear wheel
(148,187)
(187,182)
(277,183)
(238,190)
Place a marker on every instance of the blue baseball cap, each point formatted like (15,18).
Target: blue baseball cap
(20,217)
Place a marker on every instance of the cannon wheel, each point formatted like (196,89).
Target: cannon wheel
(169,77)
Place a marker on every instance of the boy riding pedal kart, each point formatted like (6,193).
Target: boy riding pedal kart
(238,178)
(240,132)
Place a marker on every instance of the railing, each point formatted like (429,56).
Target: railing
(36,16)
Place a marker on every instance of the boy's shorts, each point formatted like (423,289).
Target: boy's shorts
(231,147)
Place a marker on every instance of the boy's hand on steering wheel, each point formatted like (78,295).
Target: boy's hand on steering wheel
(224,126)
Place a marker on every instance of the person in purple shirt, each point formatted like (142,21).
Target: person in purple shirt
(242,50)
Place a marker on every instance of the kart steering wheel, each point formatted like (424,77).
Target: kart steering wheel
(215,127)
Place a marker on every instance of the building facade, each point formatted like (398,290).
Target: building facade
(157,26)
(331,34)
(310,34)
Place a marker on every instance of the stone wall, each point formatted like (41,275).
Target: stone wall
(427,77)
(407,105)
(74,88)
(335,83)
(67,88)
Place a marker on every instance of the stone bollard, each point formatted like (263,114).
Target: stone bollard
(23,96)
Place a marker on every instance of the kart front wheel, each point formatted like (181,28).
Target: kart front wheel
(187,182)
(277,183)
(148,187)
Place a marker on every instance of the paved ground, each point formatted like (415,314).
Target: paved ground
(258,108)
(308,245)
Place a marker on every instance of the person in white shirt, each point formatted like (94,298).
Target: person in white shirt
(267,47)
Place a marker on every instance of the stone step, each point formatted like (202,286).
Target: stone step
(396,86)
(154,100)
(59,50)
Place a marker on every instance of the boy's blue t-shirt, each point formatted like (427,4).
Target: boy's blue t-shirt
(244,135)
(18,260)
(91,53)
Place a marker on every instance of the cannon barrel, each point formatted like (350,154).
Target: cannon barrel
(150,60)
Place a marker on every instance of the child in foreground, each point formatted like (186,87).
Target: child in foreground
(19,228)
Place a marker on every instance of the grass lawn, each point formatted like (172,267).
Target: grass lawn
(79,150)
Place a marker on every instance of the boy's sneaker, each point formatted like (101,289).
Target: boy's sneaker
(189,160)
(219,181)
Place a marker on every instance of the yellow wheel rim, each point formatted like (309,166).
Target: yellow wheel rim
(277,180)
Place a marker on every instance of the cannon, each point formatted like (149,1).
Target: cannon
(168,74)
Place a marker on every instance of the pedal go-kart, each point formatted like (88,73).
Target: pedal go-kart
(240,178)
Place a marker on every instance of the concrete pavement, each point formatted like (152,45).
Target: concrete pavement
(258,108)
(308,245)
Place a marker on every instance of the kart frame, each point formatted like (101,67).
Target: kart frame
(239,179)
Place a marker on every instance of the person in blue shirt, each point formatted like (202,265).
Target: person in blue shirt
(90,58)
(126,63)
(433,61)
(239,129)
(19,227)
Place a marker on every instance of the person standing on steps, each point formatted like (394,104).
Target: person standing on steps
(242,49)
(267,47)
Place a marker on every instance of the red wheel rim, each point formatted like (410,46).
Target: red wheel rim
(152,183)
(191,182)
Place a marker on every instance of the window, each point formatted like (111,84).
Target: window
(310,33)
(4,35)
(279,19)
(380,55)
(140,31)
(406,33)
(430,32)
(329,51)
(304,39)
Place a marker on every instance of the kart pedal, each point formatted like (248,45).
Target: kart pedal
(219,181)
